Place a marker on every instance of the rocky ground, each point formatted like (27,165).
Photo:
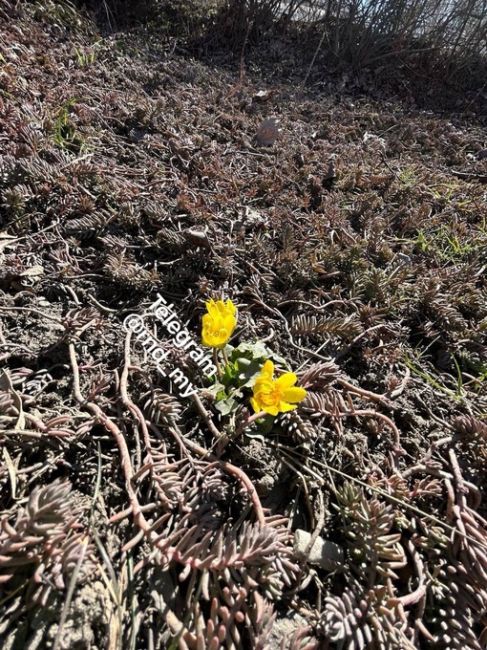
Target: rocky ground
(351,232)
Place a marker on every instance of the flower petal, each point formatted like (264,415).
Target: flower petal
(286,380)
(230,307)
(294,395)
(272,410)
(255,405)
(229,322)
(284,406)
(267,370)
(211,307)
(263,386)
(220,305)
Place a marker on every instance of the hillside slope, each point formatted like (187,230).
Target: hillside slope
(355,247)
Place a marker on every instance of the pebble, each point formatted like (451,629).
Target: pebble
(323,553)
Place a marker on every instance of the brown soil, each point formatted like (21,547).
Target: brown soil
(355,246)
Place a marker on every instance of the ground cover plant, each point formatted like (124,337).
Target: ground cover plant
(347,238)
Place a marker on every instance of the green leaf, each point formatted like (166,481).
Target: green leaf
(227,406)
(248,358)
(257,350)
(230,372)
(216,388)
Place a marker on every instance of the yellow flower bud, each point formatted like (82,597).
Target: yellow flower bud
(218,323)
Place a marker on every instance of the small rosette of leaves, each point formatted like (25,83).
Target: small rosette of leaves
(240,374)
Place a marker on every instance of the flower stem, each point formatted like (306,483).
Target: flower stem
(247,423)
(254,417)
(217,363)
(224,355)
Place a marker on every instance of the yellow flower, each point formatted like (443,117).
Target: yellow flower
(276,395)
(218,323)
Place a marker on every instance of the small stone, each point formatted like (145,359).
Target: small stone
(265,484)
(261,96)
(252,217)
(197,238)
(325,554)
(267,133)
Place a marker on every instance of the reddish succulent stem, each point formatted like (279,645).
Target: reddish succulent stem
(128,470)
